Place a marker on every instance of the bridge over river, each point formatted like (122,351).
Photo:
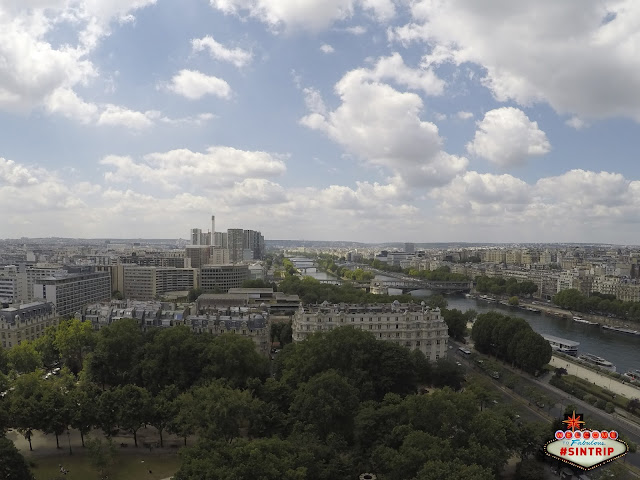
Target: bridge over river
(409,285)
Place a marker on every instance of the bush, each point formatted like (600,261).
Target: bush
(601,404)
(608,393)
(590,399)
(610,407)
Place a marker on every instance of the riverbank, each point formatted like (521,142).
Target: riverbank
(560,312)
(602,380)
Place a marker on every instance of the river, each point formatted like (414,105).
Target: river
(621,350)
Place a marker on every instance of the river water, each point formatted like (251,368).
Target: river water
(621,350)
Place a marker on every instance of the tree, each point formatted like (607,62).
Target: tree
(327,402)
(174,356)
(4,361)
(135,409)
(83,400)
(12,464)
(73,339)
(447,374)
(457,323)
(101,454)
(234,358)
(46,347)
(437,301)
(164,409)
(514,301)
(266,459)
(114,359)
(108,411)
(193,294)
(57,409)
(116,295)
(26,409)
(216,410)
(453,470)
(24,358)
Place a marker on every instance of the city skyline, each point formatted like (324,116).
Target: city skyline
(373,121)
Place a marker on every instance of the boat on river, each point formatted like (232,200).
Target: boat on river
(582,320)
(626,331)
(562,345)
(597,361)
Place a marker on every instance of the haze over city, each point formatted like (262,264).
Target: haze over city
(356,120)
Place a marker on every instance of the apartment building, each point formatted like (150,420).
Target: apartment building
(26,322)
(70,293)
(410,325)
(223,277)
(146,283)
(249,322)
(9,289)
(198,255)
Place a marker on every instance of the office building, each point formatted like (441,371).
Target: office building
(198,255)
(70,293)
(235,239)
(222,277)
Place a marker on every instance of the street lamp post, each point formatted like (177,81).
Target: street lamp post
(69,440)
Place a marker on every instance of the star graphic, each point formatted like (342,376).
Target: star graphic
(573,421)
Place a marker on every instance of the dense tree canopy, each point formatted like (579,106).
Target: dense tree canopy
(597,303)
(502,286)
(512,339)
(12,464)
(340,403)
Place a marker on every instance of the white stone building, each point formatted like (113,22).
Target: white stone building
(410,325)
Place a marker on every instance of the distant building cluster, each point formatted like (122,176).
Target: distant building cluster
(416,327)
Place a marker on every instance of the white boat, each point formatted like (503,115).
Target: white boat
(598,361)
(628,331)
(632,376)
(582,320)
(562,345)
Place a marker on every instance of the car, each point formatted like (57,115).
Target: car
(458,364)
(495,375)
(540,404)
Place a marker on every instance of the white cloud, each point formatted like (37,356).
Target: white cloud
(198,120)
(577,123)
(393,68)
(178,169)
(313,101)
(33,72)
(236,56)
(314,15)
(114,115)
(326,48)
(382,126)
(193,85)
(576,204)
(252,191)
(576,56)
(65,102)
(462,115)
(507,138)
(356,30)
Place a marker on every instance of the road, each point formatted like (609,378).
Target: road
(558,401)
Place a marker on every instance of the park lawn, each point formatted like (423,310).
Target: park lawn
(125,467)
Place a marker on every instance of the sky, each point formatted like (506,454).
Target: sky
(361,120)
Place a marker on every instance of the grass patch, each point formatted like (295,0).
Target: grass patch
(126,467)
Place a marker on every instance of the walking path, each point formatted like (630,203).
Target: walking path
(604,381)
